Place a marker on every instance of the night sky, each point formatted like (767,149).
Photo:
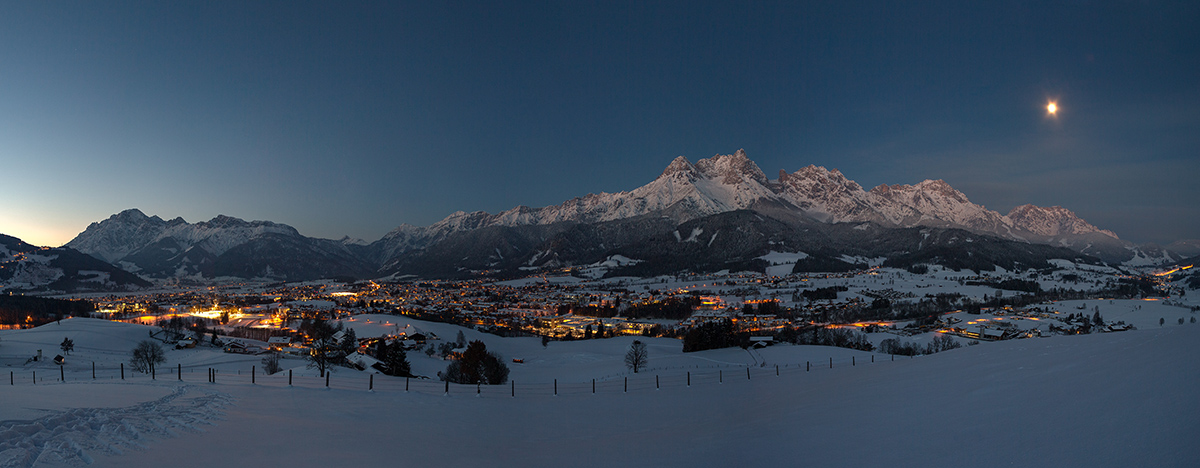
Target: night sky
(352,119)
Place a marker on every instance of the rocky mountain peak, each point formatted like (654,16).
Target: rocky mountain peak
(680,165)
(731,169)
(817,178)
(130,214)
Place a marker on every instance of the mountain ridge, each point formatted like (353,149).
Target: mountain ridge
(812,199)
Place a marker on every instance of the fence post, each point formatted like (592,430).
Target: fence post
(477,386)
(179,369)
(406,383)
(152,371)
(122,371)
(513,382)
(872,358)
(11,380)
(747,373)
(593,386)
(290,380)
(831,363)
(35,377)
(807,366)
(555,387)
(626,384)
(720,376)
(776,370)
(252,374)
(371,382)
(689,383)
(447,387)
(93,370)
(852,360)
(62,374)
(327,379)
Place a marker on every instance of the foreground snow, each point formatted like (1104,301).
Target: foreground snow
(1121,399)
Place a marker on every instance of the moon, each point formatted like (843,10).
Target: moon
(1052,108)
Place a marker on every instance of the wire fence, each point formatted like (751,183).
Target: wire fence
(652,380)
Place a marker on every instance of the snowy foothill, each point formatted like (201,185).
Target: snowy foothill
(1115,399)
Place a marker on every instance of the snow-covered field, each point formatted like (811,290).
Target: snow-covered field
(1118,399)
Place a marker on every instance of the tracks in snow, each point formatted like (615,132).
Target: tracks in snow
(71,437)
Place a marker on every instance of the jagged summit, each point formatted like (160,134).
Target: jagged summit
(680,165)
(1052,221)
(731,169)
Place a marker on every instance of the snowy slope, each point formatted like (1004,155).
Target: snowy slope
(1121,399)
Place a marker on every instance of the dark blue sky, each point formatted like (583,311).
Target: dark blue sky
(351,119)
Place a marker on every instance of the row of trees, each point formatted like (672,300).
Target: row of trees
(905,348)
(476,366)
(33,311)
(825,336)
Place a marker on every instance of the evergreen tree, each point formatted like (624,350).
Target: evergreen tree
(395,360)
(587,332)
(349,343)
(600,331)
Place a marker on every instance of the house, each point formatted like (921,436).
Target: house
(237,347)
(991,334)
(761,341)
(278,343)
(361,361)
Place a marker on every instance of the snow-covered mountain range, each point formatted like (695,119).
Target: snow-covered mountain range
(723,183)
(24,267)
(222,246)
(810,200)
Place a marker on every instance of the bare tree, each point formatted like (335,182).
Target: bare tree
(271,363)
(146,355)
(325,350)
(637,356)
